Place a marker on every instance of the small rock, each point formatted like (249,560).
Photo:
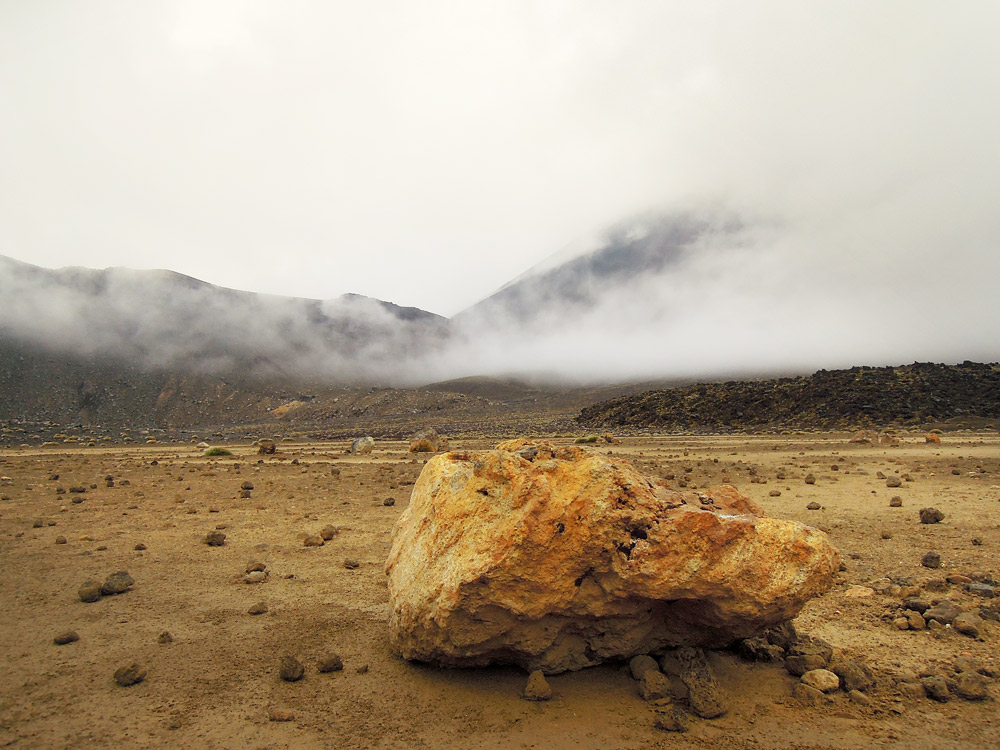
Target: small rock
(291,669)
(654,685)
(854,675)
(901,623)
(257,609)
(859,698)
(810,479)
(893,481)
(247,485)
(363,669)
(70,636)
(671,719)
(330,663)
(350,563)
(944,612)
(895,501)
(931,560)
(911,689)
(915,620)
(60,540)
(139,547)
(807,653)
(257,576)
(822,679)
(639,665)
(215,539)
(90,591)
(704,694)
(255,566)
(117,583)
(982,589)
(537,688)
(971,686)
(813,506)
(281,714)
(389,502)
(968,623)
(936,688)
(772,493)
(809,696)
(245,494)
(313,540)
(165,637)
(328,533)
(131,674)
(931,515)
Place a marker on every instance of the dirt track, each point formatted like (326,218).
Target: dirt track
(217,683)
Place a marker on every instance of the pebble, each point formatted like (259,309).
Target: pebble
(258,609)
(813,506)
(915,620)
(671,719)
(537,687)
(131,674)
(895,501)
(982,589)
(139,547)
(257,576)
(772,493)
(893,481)
(90,591)
(810,479)
(363,669)
(860,698)
(60,540)
(291,669)
(313,540)
(165,637)
(351,564)
(704,694)
(255,565)
(328,533)
(215,538)
(389,502)
(69,636)
(281,714)
(822,679)
(931,560)
(117,583)
(247,485)
(330,663)
(931,515)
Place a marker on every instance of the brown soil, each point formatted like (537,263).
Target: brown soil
(216,683)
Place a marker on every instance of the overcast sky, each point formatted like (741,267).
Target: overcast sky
(427,152)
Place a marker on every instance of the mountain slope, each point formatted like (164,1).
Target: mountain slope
(160,320)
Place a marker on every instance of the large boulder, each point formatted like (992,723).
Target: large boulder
(428,440)
(561,558)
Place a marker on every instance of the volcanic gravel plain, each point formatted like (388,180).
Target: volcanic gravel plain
(212,670)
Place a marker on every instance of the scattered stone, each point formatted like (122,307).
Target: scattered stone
(215,538)
(256,576)
(977,542)
(327,533)
(671,719)
(259,608)
(932,437)
(389,502)
(363,669)
(931,515)
(247,485)
(944,612)
(266,447)
(330,663)
(256,566)
(291,669)
(901,623)
(537,688)
(806,654)
(859,698)
(986,590)
(165,637)
(351,564)
(758,649)
(363,445)
(822,679)
(915,620)
(704,694)
(39,523)
(893,481)
(931,560)
(971,686)
(245,494)
(427,440)
(313,540)
(895,501)
(810,479)
(854,675)
(131,674)
(551,599)
(70,636)
(912,689)
(772,493)
(936,688)
(813,506)
(60,540)
(654,685)
(810,696)
(968,623)
(639,665)
(117,583)
(281,714)
(139,547)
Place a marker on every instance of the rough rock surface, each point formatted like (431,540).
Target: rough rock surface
(427,440)
(561,558)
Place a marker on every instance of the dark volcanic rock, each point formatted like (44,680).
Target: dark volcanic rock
(117,583)
(291,669)
(931,515)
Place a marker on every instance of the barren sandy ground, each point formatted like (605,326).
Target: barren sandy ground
(216,684)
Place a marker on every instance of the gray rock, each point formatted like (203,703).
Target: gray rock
(131,674)
(117,583)
(982,589)
(291,669)
(944,612)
